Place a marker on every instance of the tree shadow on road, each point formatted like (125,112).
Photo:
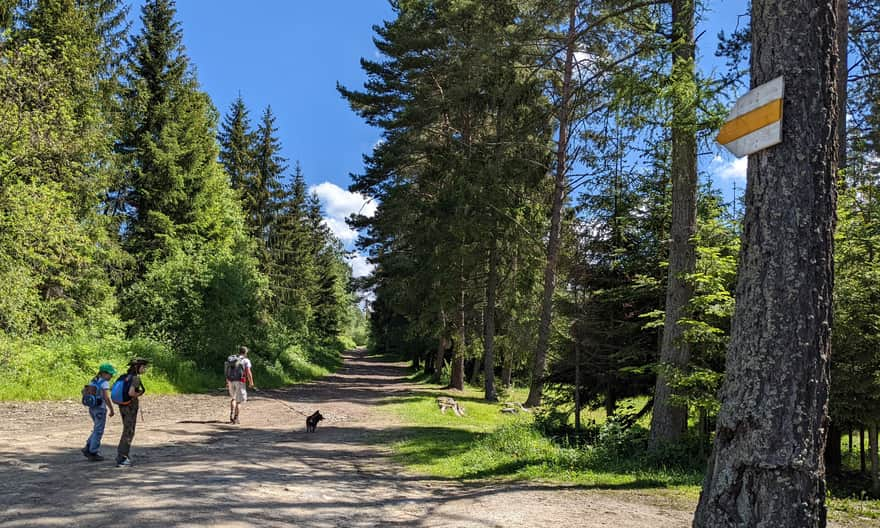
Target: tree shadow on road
(229,475)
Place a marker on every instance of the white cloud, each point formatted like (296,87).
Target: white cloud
(340,203)
(341,230)
(359,265)
(727,170)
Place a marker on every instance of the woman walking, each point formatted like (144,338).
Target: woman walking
(127,392)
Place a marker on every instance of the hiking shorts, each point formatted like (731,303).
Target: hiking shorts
(238,391)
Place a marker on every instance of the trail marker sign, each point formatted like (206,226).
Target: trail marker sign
(755,122)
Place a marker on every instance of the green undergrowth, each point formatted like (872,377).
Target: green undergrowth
(488,444)
(53,368)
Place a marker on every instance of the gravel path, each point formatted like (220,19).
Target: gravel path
(191,469)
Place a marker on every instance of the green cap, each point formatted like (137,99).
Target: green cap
(108,368)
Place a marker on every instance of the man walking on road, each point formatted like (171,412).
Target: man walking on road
(238,372)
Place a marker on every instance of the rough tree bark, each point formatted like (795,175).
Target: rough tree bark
(766,467)
(668,421)
(539,364)
(489,323)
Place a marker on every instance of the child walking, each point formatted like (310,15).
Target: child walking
(99,412)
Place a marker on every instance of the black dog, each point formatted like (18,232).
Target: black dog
(312,422)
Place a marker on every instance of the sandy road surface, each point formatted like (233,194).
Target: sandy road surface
(193,470)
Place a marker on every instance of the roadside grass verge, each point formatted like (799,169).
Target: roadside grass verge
(486,444)
(54,368)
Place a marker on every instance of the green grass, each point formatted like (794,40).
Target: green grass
(486,444)
(57,368)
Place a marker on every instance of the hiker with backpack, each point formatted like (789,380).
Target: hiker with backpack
(126,393)
(238,372)
(96,396)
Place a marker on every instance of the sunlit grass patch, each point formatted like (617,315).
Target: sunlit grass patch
(53,368)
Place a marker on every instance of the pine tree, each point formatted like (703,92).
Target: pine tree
(762,470)
(669,421)
(445,175)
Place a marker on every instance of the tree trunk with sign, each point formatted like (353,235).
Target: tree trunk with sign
(766,467)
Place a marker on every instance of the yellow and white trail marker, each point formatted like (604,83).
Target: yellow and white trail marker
(755,122)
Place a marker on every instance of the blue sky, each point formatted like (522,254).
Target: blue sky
(291,53)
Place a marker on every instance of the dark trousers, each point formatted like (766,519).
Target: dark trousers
(129,415)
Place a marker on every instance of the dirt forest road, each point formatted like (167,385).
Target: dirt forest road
(191,469)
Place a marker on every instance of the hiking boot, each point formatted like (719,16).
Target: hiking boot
(94,457)
(124,462)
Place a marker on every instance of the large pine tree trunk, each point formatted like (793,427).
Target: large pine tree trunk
(766,467)
(540,360)
(489,322)
(668,421)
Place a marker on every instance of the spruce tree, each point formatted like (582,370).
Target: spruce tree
(329,298)
(237,147)
(291,265)
(54,157)
(168,141)
(263,190)
(197,286)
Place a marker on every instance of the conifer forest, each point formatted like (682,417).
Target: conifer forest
(547,231)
